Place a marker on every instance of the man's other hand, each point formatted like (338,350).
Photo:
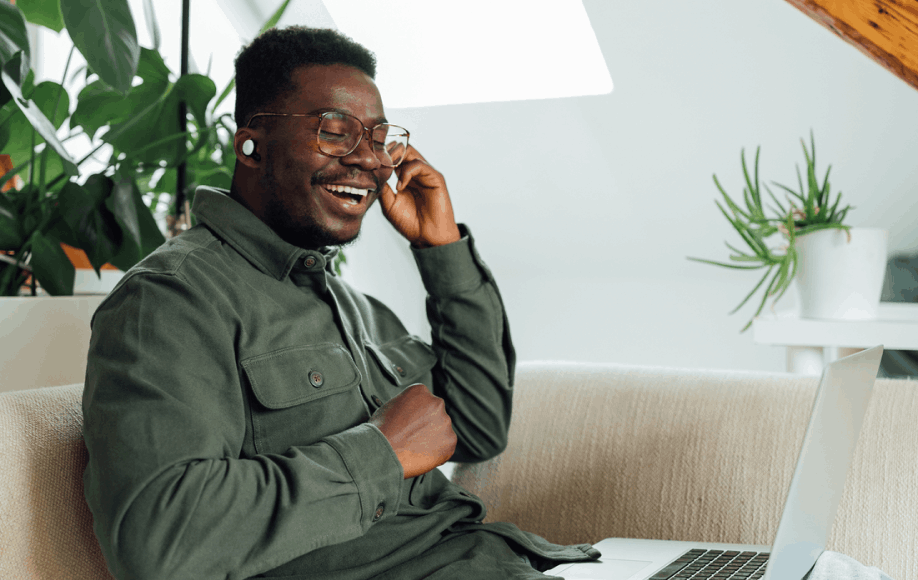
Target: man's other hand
(421,211)
(417,426)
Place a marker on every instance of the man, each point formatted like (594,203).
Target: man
(248,414)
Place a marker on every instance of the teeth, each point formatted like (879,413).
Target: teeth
(347,189)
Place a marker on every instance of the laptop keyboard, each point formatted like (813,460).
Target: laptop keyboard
(701,564)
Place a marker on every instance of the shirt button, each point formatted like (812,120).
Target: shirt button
(316,379)
(310,261)
(399,370)
(380,510)
(377,401)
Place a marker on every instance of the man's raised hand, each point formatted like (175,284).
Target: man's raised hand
(421,211)
(418,429)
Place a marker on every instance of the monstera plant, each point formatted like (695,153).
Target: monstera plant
(128,106)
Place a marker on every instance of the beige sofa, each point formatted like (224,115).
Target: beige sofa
(595,451)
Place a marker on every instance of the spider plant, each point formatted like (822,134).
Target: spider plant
(808,210)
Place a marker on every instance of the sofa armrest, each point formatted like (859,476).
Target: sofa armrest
(45,524)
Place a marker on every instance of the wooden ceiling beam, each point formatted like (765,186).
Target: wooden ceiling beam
(884,30)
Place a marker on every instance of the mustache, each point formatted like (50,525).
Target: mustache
(321,178)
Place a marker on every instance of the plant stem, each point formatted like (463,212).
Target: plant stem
(32,159)
(63,80)
(73,135)
(15,262)
(90,154)
(57,103)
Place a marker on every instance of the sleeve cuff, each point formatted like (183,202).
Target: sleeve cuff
(375,469)
(453,268)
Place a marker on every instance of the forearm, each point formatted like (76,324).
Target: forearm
(470,335)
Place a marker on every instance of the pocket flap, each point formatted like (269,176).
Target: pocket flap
(298,374)
(404,359)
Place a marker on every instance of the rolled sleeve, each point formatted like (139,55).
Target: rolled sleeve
(452,268)
(369,459)
(470,335)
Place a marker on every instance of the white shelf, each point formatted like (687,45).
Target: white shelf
(896,327)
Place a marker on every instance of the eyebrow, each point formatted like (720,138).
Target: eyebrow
(376,121)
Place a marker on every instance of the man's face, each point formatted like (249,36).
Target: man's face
(297,201)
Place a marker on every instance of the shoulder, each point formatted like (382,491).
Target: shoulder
(178,256)
(192,267)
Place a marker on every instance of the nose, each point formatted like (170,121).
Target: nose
(362,155)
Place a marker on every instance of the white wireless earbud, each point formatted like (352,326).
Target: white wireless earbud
(248,147)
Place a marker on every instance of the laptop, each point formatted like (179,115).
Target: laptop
(812,500)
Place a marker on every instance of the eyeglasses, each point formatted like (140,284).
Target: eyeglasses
(339,135)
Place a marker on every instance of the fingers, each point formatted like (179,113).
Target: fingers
(396,151)
(409,167)
(386,197)
(419,172)
(414,154)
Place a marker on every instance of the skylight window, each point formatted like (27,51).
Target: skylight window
(474,51)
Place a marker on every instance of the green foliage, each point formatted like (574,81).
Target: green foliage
(807,211)
(13,34)
(45,13)
(338,261)
(104,33)
(108,215)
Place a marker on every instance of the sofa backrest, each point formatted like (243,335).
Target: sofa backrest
(45,524)
(595,451)
(604,450)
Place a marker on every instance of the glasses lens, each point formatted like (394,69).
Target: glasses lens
(339,135)
(390,143)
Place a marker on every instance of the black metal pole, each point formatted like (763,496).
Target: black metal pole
(183,121)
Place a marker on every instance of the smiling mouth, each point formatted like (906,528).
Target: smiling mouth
(351,196)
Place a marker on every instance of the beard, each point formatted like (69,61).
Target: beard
(301,230)
(304,232)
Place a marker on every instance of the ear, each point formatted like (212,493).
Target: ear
(241,136)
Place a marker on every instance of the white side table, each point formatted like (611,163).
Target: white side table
(811,343)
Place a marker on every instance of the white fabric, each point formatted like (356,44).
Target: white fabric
(836,566)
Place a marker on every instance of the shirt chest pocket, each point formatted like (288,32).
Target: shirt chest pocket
(302,394)
(400,363)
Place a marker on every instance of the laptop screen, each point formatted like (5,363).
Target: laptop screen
(822,466)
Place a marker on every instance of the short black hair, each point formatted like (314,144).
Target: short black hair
(265,67)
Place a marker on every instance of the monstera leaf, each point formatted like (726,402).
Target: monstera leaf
(33,113)
(104,33)
(43,12)
(51,266)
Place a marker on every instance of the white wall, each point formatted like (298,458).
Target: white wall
(586,208)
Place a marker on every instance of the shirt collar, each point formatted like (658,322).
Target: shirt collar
(253,238)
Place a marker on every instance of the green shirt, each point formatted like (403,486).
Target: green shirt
(229,382)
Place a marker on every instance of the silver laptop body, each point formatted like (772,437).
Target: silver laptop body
(812,500)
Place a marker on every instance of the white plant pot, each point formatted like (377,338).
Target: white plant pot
(841,280)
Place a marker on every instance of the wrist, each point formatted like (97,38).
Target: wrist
(451,235)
